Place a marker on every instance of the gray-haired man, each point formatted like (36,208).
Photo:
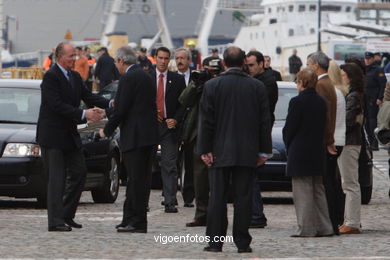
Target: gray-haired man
(135,113)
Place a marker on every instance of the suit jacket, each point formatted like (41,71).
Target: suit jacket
(106,70)
(304,133)
(234,120)
(60,110)
(135,111)
(268,79)
(326,90)
(175,84)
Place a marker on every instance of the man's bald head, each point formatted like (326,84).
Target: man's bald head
(234,57)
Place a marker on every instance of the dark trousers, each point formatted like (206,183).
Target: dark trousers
(201,186)
(188,178)
(257,204)
(169,150)
(66,178)
(217,222)
(138,164)
(371,121)
(333,190)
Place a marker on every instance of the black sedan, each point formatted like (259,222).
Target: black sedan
(272,176)
(21,170)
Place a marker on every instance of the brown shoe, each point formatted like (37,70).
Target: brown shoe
(348,230)
(196,223)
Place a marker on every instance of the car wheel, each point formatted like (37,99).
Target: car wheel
(109,192)
(366,193)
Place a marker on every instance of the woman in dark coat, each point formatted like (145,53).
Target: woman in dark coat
(304,136)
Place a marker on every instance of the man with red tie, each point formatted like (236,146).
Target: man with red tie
(169,114)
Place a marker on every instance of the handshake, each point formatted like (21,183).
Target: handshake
(94,114)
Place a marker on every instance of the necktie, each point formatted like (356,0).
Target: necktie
(70,78)
(160,96)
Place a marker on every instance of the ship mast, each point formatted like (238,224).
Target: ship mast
(117,9)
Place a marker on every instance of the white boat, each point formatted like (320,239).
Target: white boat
(284,25)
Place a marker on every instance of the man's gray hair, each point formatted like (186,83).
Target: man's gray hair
(320,58)
(127,54)
(187,51)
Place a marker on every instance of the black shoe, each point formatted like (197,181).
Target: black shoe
(131,229)
(189,205)
(244,250)
(196,223)
(170,209)
(70,222)
(60,228)
(163,203)
(258,225)
(212,249)
(122,224)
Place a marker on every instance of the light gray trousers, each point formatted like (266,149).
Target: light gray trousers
(349,170)
(311,206)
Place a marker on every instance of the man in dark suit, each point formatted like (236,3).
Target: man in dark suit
(267,66)
(135,112)
(169,114)
(234,137)
(105,70)
(255,63)
(62,90)
(183,60)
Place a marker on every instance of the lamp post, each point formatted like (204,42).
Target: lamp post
(319,27)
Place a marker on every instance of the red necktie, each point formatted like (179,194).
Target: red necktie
(160,96)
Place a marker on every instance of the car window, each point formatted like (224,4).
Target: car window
(281,109)
(19,105)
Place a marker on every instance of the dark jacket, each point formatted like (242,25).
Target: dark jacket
(175,84)
(234,120)
(135,111)
(354,106)
(106,70)
(190,99)
(277,75)
(303,134)
(294,64)
(268,78)
(60,110)
(375,83)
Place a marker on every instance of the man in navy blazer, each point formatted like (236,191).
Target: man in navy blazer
(170,113)
(62,91)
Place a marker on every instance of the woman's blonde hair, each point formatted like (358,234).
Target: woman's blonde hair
(334,74)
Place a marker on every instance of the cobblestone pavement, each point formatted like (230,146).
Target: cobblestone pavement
(23,230)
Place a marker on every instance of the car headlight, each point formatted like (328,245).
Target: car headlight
(22,150)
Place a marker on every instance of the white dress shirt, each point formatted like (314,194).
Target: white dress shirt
(186,76)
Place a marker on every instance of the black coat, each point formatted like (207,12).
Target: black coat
(175,84)
(106,70)
(234,120)
(354,106)
(277,75)
(135,111)
(268,78)
(59,113)
(304,134)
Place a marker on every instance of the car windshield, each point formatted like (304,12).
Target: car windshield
(19,105)
(281,109)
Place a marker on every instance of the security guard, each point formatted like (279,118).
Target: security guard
(375,86)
